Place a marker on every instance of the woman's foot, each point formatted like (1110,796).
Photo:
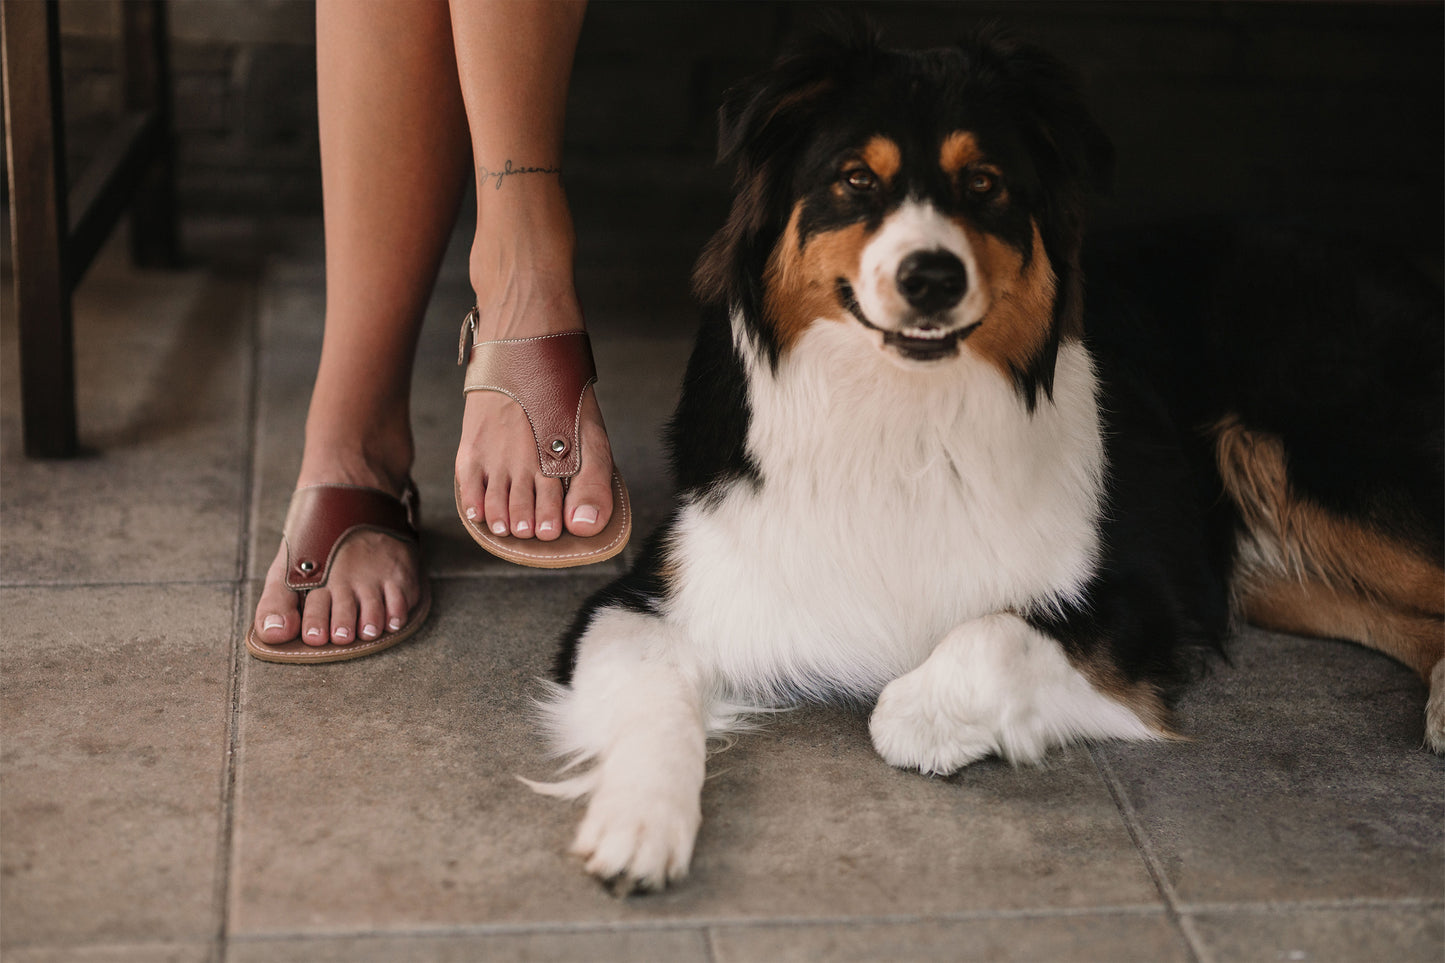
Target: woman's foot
(521,268)
(373,585)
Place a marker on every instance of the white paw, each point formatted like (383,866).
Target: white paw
(637,839)
(913,728)
(1435,710)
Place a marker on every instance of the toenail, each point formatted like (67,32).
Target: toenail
(369,630)
(585,515)
(523,527)
(394,624)
(342,633)
(499,528)
(471,514)
(313,632)
(273,622)
(546,527)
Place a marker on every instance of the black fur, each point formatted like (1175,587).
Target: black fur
(1293,335)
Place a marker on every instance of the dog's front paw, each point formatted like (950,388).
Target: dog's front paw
(636,840)
(912,728)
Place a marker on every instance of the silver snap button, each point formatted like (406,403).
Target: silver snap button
(559,446)
(307,567)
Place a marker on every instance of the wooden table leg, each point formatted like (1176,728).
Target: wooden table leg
(145,72)
(35,141)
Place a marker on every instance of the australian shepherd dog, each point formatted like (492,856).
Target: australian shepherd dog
(921,466)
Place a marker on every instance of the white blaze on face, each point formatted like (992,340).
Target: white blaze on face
(914,227)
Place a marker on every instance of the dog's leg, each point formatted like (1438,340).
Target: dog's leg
(1309,606)
(994,685)
(1311,571)
(632,713)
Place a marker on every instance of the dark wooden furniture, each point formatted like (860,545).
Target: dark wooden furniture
(56,227)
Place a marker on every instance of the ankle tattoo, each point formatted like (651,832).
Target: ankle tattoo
(496,177)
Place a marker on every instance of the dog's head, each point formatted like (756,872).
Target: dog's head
(934,200)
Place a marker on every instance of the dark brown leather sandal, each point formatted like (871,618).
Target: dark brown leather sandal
(320,519)
(549,376)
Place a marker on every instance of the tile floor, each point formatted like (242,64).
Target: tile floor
(167,798)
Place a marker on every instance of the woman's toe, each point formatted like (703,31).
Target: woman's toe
(589,499)
(370,616)
(521,510)
(549,508)
(343,617)
(316,617)
(277,617)
(277,620)
(397,607)
(494,505)
(469,490)
(589,496)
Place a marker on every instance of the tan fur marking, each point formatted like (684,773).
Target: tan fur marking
(800,284)
(1305,569)
(1021,301)
(958,151)
(1314,608)
(883,157)
(1140,698)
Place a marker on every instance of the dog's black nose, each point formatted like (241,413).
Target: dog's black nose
(932,281)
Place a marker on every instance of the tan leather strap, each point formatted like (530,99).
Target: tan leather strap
(322,516)
(548,376)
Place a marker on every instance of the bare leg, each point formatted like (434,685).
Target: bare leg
(394,156)
(514,58)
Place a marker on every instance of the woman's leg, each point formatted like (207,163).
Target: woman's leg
(394,163)
(514,58)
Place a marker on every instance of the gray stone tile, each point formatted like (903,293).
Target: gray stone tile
(1118,938)
(804,820)
(395,774)
(115,718)
(161,366)
(595,946)
(1401,934)
(1304,779)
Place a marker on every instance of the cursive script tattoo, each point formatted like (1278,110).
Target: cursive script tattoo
(496,177)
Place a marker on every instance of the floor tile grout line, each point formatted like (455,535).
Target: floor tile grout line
(239,621)
(708,927)
(1152,864)
(226,834)
(138,583)
(1267,907)
(695,923)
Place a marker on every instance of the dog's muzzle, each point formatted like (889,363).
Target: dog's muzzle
(934,282)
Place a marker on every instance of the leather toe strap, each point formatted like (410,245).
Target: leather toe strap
(549,377)
(321,517)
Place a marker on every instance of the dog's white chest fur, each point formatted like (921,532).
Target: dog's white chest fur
(895,504)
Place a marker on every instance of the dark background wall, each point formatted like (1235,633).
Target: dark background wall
(1332,110)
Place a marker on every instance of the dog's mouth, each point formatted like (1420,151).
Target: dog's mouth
(925,341)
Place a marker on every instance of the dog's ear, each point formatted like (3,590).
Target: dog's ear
(801,76)
(763,125)
(1067,143)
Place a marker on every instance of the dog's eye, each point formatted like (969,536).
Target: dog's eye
(982,183)
(861,179)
